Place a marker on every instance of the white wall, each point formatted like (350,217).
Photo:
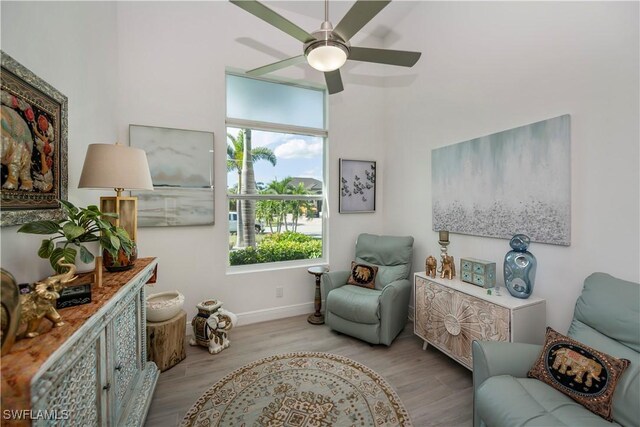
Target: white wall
(487,67)
(172,59)
(71,46)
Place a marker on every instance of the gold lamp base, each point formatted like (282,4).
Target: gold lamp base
(127,210)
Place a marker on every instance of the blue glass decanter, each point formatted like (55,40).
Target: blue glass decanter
(520,267)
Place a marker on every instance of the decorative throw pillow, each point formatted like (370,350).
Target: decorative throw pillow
(363,275)
(585,374)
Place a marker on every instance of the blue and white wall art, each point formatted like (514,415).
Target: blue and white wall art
(515,181)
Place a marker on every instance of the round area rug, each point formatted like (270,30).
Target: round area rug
(300,390)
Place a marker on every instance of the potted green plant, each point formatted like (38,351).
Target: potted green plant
(78,227)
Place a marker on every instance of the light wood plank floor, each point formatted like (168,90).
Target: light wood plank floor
(435,390)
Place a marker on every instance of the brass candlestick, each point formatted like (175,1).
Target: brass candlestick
(443,253)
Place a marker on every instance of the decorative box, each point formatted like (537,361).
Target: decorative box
(478,272)
(74,295)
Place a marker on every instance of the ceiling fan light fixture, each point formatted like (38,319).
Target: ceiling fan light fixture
(326,55)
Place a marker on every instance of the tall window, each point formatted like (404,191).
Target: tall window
(275,170)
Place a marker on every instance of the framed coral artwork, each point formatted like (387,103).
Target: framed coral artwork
(357,186)
(34,146)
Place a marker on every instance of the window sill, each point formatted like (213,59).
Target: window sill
(273,266)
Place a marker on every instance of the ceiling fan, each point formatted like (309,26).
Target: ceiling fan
(328,48)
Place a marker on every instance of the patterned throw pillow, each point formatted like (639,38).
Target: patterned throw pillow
(363,275)
(585,374)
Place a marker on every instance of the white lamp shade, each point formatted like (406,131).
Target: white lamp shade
(115,166)
(326,57)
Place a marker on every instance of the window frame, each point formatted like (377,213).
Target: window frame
(232,122)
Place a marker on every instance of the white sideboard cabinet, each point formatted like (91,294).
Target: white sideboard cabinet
(451,314)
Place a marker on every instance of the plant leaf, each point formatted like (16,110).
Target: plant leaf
(110,214)
(40,227)
(69,255)
(46,248)
(115,242)
(85,255)
(70,209)
(122,233)
(72,231)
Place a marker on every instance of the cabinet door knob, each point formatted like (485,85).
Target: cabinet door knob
(118,367)
(107,387)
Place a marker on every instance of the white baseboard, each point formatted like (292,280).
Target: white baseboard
(274,313)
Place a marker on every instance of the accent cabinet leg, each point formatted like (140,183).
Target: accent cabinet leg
(424,345)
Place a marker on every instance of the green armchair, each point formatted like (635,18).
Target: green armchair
(607,318)
(373,315)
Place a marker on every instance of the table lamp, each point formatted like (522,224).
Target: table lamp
(122,168)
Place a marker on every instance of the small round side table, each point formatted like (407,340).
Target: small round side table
(317,318)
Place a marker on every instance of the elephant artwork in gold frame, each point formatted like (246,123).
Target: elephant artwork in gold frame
(34,146)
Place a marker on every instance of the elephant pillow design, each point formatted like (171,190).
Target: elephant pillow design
(583,373)
(363,275)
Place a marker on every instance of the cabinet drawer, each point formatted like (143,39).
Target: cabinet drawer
(452,320)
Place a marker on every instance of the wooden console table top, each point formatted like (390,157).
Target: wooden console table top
(28,355)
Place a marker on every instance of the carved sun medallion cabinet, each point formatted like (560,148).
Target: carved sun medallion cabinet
(451,314)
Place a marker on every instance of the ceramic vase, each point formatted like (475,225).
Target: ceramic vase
(122,262)
(520,267)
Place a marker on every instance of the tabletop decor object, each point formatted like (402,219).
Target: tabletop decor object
(447,264)
(10,309)
(431,266)
(164,305)
(79,227)
(520,267)
(40,303)
(478,272)
(357,186)
(306,389)
(34,146)
(121,168)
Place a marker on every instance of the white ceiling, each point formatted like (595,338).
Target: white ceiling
(380,26)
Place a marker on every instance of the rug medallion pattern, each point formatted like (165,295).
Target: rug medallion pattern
(305,389)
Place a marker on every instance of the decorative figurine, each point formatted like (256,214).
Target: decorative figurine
(448,268)
(431,266)
(443,239)
(211,326)
(41,302)
(520,267)
(10,309)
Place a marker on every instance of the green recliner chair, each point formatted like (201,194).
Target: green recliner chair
(607,318)
(373,315)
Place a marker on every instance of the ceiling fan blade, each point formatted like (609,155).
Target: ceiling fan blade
(277,65)
(357,17)
(271,17)
(384,56)
(334,81)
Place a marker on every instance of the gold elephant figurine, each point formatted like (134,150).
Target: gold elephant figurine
(431,266)
(40,303)
(448,267)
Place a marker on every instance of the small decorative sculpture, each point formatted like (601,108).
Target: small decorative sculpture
(431,266)
(41,302)
(211,326)
(520,267)
(448,268)
(10,310)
